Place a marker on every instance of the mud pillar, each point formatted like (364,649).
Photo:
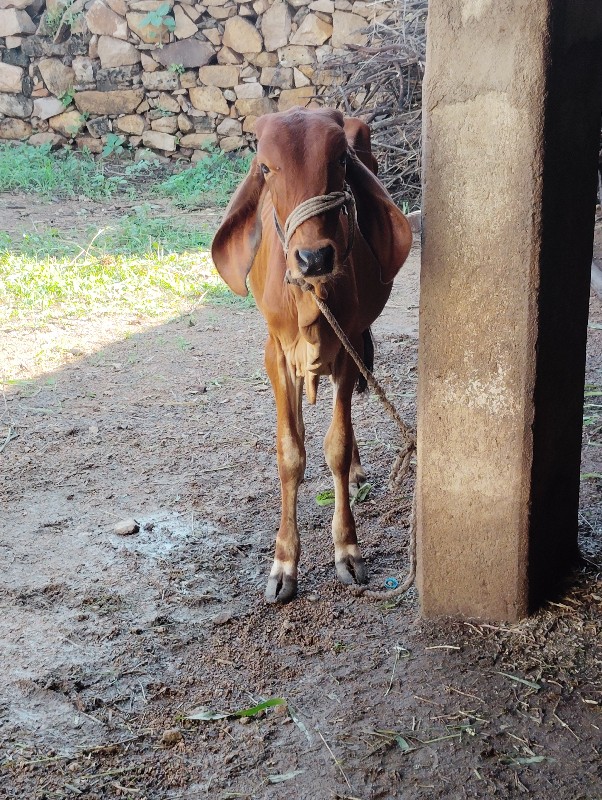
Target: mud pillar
(512,121)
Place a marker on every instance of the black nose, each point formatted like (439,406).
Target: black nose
(316,262)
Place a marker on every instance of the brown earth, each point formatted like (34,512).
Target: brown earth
(108,642)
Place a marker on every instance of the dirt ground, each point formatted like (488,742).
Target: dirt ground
(108,643)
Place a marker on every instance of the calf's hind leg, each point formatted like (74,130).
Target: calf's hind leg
(290,434)
(339,446)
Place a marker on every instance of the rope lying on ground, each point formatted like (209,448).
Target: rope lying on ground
(401,466)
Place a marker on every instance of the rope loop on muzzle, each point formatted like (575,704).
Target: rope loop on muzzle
(312,208)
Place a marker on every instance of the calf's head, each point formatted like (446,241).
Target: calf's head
(304,154)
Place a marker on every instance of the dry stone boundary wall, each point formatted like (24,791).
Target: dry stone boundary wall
(177,77)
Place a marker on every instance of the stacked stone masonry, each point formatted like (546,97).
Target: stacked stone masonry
(177,77)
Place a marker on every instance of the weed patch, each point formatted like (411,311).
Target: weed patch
(62,174)
(209,183)
(147,263)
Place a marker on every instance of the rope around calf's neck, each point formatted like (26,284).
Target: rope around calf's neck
(400,467)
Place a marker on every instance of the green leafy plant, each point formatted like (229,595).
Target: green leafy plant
(113,145)
(209,183)
(179,69)
(160,17)
(67,96)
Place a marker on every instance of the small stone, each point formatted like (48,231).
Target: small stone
(184,124)
(14,128)
(103,20)
(15,21)
(242,36)
(228,56)
(165,124)
(11,78)
(229,127)
(276,26)
(159,141)
(166,102)
(293,55)
(16,105)
(99,126)
(48,137)
(188,53)
(261,60)
(345,29)
(213,35)
(126,527)
(278,77)
(222,13)
(148,63)
(222,76)
(57,77)
(131,123)
(230,143)
(185,27)
(120,101)
(89,143)
(161,79)
(299,79)
(83,67)
(312,31)
(199,141)
(209,98)
(295,97)
(249,91)
(171,737)
(223,617)
(255,107)
(116,53)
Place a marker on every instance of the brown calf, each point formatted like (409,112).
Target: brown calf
(304,154)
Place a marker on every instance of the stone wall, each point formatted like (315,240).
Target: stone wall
(174,76)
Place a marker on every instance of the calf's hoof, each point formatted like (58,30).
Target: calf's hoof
(281,588)
(351,569)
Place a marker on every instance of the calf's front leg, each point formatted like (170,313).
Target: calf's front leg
(339,447)
(290,435)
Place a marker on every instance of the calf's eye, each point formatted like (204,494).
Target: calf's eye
(265,169)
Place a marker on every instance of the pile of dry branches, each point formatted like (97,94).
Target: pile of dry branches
(381,82)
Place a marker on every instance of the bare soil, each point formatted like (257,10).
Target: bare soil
(108,642)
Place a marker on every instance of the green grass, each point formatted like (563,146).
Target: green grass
(26,168)
(209,183)
(147,263)
(65,174)
(144,262)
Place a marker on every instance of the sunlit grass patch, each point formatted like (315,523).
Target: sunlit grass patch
(143,263)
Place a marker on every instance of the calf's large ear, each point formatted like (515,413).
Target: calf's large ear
(382,224)
(237,238)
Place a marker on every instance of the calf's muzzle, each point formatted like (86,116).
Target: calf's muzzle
(313,263)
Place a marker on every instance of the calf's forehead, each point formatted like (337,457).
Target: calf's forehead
(300,138)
